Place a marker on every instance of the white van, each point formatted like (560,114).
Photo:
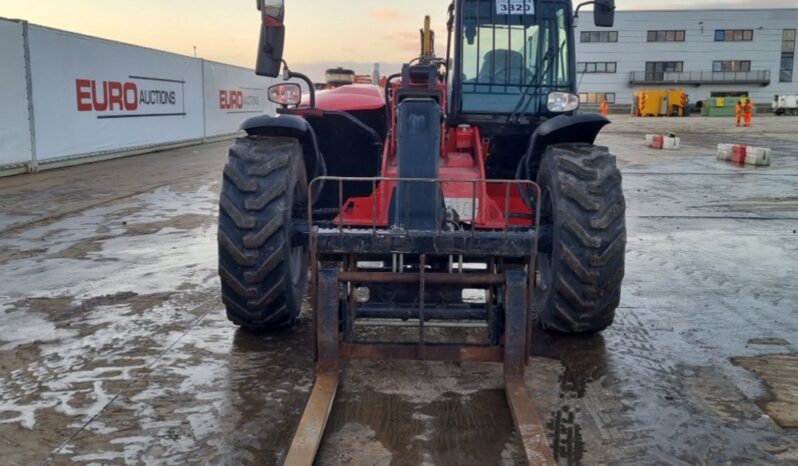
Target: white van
(785,104)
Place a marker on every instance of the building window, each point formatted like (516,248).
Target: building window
(785,75)
(599,36)
(666,36)
(787,55)
(655,70)
(596,67)
(733,35)
(788,40)
(734,94)
(596,97)
(731,65)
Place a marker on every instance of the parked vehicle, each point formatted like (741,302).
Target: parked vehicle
(785,105)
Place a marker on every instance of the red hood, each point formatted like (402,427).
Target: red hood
(350,97)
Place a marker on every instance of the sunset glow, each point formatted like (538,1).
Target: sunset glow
(320,32)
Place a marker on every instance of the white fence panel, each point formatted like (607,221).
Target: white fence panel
(15,147)
(92,95)
(232,95)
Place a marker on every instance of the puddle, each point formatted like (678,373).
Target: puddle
(440,427)
(76,376)
(584,362)
(10,220)
(111,220)
(165,261)
(218,396)
(357,444)
(23,326)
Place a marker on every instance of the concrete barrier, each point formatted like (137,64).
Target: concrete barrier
(663,141)
(745,155)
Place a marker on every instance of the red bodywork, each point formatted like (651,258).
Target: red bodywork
(463,156)
(350,97)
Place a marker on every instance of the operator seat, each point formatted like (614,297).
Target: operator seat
(503,66)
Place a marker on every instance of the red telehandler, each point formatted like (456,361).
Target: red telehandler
(441,216)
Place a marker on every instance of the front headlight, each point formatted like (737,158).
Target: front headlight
(286,94)
(562,102)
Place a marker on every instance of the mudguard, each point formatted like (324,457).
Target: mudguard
(561,129)
(290,126)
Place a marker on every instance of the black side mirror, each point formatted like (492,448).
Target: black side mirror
(272,38)
(604,13)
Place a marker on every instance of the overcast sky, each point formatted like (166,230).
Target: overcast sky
(320,32)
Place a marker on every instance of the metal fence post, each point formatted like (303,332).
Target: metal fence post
(33,165)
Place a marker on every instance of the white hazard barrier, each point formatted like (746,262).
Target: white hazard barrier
(92,95)
(663,141)
(231,95)
(67,98)
(742,154)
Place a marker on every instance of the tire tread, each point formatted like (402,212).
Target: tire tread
(589,239)
(254,226)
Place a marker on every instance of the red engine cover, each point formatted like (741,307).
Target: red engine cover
(350,97)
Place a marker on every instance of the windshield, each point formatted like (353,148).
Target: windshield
(511,61)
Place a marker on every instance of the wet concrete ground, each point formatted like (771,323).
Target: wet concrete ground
(114,348)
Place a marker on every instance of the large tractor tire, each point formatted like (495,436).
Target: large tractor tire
(263,273)
(581,265)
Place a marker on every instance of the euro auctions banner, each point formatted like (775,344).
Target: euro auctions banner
(136,97)
(232,95)
(15,147)
(92,95)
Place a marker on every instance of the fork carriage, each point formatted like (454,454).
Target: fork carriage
(434,295)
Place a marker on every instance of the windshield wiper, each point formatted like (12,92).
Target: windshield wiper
(520,107)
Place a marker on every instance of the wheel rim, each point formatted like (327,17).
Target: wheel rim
(545,254)
(296,264)
(297,254)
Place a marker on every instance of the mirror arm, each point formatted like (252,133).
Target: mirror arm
(288,74)
(576,12)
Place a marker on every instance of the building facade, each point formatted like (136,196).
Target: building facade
(708,53)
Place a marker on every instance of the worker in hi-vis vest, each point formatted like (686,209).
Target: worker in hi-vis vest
(748,110)
(739,109)
(605,107)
